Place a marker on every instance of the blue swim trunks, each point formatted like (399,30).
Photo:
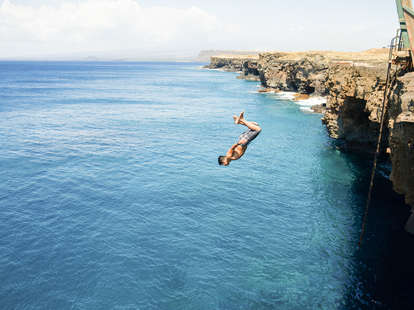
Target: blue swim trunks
(249,136)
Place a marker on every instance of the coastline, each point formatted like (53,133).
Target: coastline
(352,85)
(307,103)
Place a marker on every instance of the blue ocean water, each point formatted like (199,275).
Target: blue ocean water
(111,196)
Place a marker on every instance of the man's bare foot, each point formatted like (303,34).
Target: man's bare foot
(241,117)
(238,118)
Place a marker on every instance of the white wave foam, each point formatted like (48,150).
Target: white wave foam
(311,101)
(306,109)
(306,104)
(285,95)
(211,69)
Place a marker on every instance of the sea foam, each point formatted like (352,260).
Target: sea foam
(305,104)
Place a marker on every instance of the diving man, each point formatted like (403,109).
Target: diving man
(237,150)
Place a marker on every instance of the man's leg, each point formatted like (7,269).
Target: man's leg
(251,125)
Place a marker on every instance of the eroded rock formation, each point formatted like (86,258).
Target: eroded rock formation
(355,95)
(250,70)
(353,114)
(304,75)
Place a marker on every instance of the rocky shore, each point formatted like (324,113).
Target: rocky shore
(353,85)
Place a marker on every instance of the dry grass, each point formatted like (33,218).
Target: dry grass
(368,56)
(372,55)
(234,56)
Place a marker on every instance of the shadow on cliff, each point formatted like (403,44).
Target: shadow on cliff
(385,272)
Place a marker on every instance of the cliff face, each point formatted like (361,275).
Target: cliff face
(233,63)
(401,136)
(353,84)
(353,114)
(355,95)
(250,70)
(304,75)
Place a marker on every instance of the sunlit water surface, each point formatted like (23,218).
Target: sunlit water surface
(111,196)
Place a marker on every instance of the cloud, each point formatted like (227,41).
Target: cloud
(135,29)
(100,25)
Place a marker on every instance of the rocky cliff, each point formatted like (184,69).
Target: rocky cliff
(355,95)
(353,114)
(233,63)
(401,136)
(284,71)
(250,69)
(353,84)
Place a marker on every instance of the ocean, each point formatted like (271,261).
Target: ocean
(111,196)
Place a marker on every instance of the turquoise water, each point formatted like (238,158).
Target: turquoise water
(111,195)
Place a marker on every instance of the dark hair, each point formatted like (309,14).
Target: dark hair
(221,160)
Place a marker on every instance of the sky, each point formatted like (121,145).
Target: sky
(155,29)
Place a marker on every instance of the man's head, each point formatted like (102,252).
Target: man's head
(224,160)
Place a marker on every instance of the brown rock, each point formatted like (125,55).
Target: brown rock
(297,97)
(265,90)
(319,108)
(232,63)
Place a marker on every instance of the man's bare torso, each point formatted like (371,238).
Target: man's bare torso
(238,151)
